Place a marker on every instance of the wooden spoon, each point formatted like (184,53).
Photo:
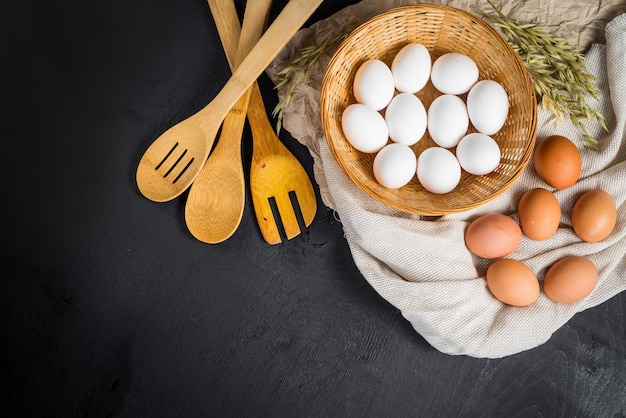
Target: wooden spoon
(275,172)
(217,197)
(173,161)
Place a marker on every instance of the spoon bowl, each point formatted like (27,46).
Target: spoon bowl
(205,216)
(173,161)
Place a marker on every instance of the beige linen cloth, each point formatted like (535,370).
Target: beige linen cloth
(422,267)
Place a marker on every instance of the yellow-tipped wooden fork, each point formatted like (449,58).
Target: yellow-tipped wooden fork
(217,197)
(275,173)
(172,162)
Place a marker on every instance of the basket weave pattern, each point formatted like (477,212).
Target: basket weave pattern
(441,29)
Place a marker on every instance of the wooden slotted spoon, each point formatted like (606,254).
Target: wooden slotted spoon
(275,172)
(173,161)
(217,197)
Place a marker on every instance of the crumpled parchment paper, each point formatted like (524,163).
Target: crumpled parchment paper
(422,267)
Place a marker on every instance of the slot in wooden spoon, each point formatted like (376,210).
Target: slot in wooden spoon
(173,161)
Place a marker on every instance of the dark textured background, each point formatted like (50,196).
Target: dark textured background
(111,308)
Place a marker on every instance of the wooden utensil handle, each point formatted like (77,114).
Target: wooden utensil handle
(238,39)
(228,27)
(229,30)
(286,24)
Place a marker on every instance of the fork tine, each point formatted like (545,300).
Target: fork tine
(287,215)
(266,221)
(306,198)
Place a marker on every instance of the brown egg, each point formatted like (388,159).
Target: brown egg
(539,214)
(594,215)
(493,236)
(512,282)
(570,279)
(557,161)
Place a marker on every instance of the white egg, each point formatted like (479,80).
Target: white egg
(488,106)
(438,170)
(373,84)
(406,119)
(447,120)
(454,73)
(478,153)
(411,68)
(364,128)
(395,165)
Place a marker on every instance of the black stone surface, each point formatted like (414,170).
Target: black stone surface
(111,308)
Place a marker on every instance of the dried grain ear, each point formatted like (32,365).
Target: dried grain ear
(562,82)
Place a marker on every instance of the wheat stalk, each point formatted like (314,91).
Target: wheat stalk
(298,71)
(558,72)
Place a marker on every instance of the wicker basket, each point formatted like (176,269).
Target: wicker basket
(440,29)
